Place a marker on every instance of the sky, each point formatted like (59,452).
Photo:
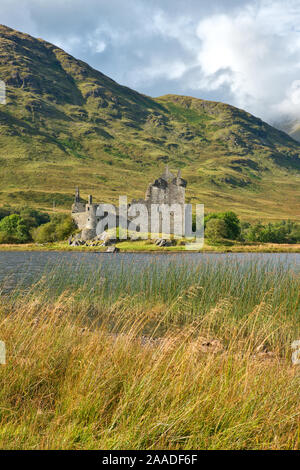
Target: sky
(242,52)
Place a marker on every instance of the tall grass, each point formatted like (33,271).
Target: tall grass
(155,356)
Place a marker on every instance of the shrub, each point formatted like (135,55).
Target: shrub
(59,228)
(278,232)
(232,224)
(231,220)
(33,217)
(216,229)
(13,230)
(294,236)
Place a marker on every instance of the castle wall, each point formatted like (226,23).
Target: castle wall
(80,219)
(167,189)
(78,207)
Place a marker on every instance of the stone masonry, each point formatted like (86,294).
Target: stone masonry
(167,189)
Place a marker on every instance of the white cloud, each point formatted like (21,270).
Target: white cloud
(256,53)
(158,69)
(245,52)
(68,44)
(96,44)
(290,105)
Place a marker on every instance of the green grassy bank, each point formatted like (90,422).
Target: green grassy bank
(143,246)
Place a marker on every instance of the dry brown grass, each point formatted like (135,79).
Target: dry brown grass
(194,369)
(69,386)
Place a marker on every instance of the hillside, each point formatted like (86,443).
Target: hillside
(289,125)
(66,124)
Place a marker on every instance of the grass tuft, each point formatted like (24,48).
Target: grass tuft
(182,357)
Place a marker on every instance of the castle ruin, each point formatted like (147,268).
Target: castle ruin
(168,189)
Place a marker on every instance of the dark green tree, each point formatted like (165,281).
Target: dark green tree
(33,217)
(231,220)
(13,230)
(59,228)
(216,229)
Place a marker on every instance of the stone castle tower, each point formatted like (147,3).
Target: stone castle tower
(167,189)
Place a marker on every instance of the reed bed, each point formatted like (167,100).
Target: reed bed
(189,356)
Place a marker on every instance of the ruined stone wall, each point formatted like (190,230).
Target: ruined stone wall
(80,219)
(167,189)
(78,207)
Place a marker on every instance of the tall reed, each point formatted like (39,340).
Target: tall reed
(172,356)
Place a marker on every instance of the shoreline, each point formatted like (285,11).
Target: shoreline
(59,247)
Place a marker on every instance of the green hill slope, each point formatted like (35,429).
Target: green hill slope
(66,124)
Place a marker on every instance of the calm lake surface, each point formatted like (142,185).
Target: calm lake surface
(28,267)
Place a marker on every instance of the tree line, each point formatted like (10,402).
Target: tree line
(222,226)
(25,225)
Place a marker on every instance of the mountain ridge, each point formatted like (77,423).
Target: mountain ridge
(66,124)
(289,125)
